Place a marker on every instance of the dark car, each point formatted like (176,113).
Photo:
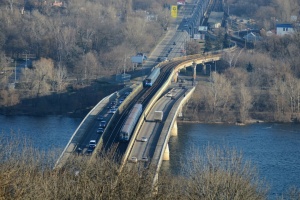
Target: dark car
(100,130)
(100,117)
(90,150)
(102,124)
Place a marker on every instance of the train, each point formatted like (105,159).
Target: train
(130,122)
(149,81)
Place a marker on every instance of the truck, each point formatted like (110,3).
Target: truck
(158,116)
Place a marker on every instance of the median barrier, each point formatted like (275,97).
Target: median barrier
(79,132)
(135,90)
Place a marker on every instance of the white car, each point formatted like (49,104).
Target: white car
(112,111)
(133,159)
(92,144)
(144,139)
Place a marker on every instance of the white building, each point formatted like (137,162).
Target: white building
(283,29)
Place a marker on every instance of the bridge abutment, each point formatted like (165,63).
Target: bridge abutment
(166,153)
(174,131)
(194,65)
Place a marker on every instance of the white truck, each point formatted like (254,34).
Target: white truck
(158,115)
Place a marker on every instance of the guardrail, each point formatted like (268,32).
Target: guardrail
(198,58)
(120,109)
(164,138)
(64,155)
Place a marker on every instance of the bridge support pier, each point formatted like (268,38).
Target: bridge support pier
(194,65)
(166,153)
(176,77)
(174,131)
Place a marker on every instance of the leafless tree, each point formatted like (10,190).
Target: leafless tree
(218,95)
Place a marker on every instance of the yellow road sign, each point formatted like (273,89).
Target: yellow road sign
(174,11)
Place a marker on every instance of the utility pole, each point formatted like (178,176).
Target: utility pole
(216,66)
(15,72)
(26,61)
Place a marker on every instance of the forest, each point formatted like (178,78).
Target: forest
(77,42)
(73,43)
(255,84)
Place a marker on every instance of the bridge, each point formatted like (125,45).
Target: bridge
(149,140)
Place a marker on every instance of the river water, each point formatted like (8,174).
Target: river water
(273,148)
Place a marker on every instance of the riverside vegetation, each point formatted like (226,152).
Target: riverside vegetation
(26,173)
(79,42)
(85,40)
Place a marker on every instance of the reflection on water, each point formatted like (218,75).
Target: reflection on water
(273,148)
(44,132)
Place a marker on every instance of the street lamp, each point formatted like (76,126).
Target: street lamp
(209,71)
(215,66)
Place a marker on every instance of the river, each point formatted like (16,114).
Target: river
(273,148)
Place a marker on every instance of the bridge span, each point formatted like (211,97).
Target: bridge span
(80,138)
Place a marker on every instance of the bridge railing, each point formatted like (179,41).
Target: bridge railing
(198,58)
(71,145)
(166,131)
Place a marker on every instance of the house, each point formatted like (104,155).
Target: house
(283,29)
(215,19)
(252,37)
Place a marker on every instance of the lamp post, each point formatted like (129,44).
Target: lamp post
(15,72)
(215,66)
(209,71)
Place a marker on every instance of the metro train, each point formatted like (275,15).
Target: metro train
(149,81)
(130,122)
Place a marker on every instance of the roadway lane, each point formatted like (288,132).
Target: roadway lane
(143,151)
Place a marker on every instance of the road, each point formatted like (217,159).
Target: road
(142,151)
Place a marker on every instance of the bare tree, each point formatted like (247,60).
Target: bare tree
(218,95)
(244,98)
(60,78)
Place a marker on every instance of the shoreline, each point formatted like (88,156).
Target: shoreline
(251,121)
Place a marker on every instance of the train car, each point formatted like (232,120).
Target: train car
(149,81)
(130,122)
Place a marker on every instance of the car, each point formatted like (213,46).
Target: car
(145,159)
(186,25)
(158,59)
(144,139)
(112,111)
(100,130)
(90,150)
(92,144)
(110,106)
(164,59)
(133,159)
(102,124)
(121,101)
(100,117)
(127,93)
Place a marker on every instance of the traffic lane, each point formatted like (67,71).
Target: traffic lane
(146,130)
(149,129)
(92,134)
(152,144)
